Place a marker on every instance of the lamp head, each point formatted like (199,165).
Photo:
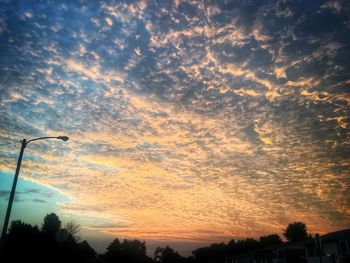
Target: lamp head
(63,138)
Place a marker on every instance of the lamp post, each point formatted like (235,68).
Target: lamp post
(13,190)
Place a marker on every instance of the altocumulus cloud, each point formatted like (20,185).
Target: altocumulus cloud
(188,120)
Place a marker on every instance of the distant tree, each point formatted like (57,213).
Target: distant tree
(72,251)
(51,224)
(19,227)
(189,259)
(73,229)
(134,250)
(127,251)
(213,253)
(232,247)
(296,231)
(246,245)
(114,250)
(86,251)
(270,240)
(167,255)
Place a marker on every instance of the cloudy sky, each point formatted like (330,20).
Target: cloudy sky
(189,122)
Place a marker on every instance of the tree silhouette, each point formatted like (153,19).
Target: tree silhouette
(73,229)
(270,240)
(72,251)
(18,227)
(167,255)
(213,253)
(134,248)
(128,251)
(296,231)
(232,248)
(25,243)
(114,250)
(246,245)
(51,224)
(86,251)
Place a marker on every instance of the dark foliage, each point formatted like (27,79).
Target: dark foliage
(51,224)
(217,253)
(213,253)
(85,251)
(26,243)
(127,251)
(270,240)
(296,231)
(167,255)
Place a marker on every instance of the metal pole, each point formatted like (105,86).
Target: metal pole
(13,190)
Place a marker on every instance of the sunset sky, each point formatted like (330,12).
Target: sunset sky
(190,122)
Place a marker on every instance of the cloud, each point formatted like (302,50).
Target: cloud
(186,122)
(4,193)
(109,21)
(39,200)
(93,72)
(336,5)
(138,51)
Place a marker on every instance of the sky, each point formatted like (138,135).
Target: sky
(190,122)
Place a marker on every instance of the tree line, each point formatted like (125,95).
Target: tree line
(52,243)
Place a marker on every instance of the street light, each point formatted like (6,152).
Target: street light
(12,195)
